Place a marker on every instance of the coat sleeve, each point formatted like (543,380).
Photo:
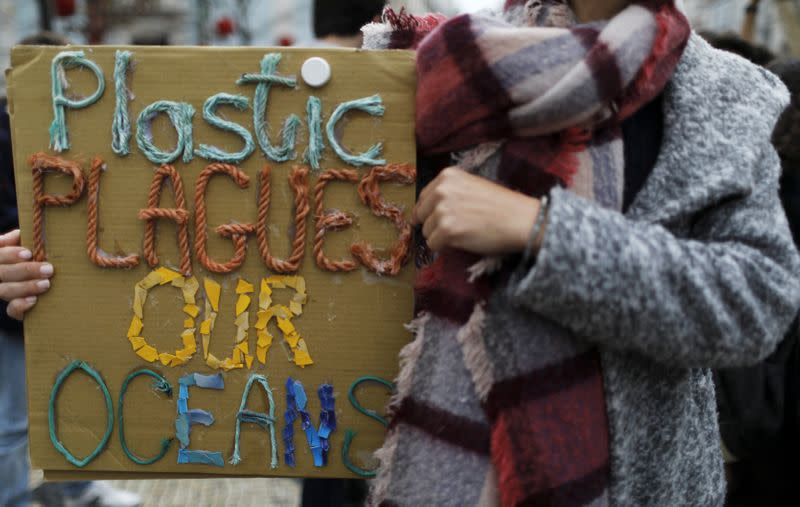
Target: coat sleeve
(723,296)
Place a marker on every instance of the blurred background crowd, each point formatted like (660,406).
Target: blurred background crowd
(773,24)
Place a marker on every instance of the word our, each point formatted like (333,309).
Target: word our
(297,349)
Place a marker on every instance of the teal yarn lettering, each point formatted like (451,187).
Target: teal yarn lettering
(51,413)
(315,145)
(209,114)
(180,114)
(187,418)
(371,105)
(59,137)
(121,125)
(160,384)
(351,395)
(264,82)
(349,434)
(265,421)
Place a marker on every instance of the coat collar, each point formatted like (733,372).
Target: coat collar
(719,111)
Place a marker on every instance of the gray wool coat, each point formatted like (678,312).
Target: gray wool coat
(701,272)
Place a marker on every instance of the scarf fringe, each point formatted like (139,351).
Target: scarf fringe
(473,159)
(483,267)
(403,22)
(476,359)
(385,454)
(379,486)
(408,357)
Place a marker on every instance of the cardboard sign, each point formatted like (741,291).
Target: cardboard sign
(220,230)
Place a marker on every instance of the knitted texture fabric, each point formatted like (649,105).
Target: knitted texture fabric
(531,101)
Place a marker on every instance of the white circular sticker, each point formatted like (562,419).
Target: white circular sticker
(316,71)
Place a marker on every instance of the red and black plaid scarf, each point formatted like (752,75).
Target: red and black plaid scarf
(530,100)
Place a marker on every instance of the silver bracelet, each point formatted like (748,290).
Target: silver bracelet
(544,203)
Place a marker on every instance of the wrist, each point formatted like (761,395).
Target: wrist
(521,223)
(537,230)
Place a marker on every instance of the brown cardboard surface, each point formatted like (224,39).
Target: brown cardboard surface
(353,322)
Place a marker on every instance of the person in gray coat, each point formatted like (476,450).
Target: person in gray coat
(699,271)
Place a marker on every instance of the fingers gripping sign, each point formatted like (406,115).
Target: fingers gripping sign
(21,279)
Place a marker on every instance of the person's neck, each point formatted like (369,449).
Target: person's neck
(596,10)
(345,41)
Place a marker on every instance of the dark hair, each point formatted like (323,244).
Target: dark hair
(344,17)
(45,39)
(788,69)
(733,43)
(150,38)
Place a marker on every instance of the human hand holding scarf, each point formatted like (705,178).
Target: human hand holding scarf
(464,211)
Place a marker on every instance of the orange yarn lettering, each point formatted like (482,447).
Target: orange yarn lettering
(179,214)
(331,220)
(298,181)
(40,164)
(237,232)
(370,193)
(92,224)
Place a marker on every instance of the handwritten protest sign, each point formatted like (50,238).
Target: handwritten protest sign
(232,254)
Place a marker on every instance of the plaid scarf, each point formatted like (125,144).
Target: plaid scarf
(485,413)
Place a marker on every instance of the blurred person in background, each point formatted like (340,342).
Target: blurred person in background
(338,24)
(733,43)
(14,462)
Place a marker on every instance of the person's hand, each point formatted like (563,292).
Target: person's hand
(21,280)
(464,211)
